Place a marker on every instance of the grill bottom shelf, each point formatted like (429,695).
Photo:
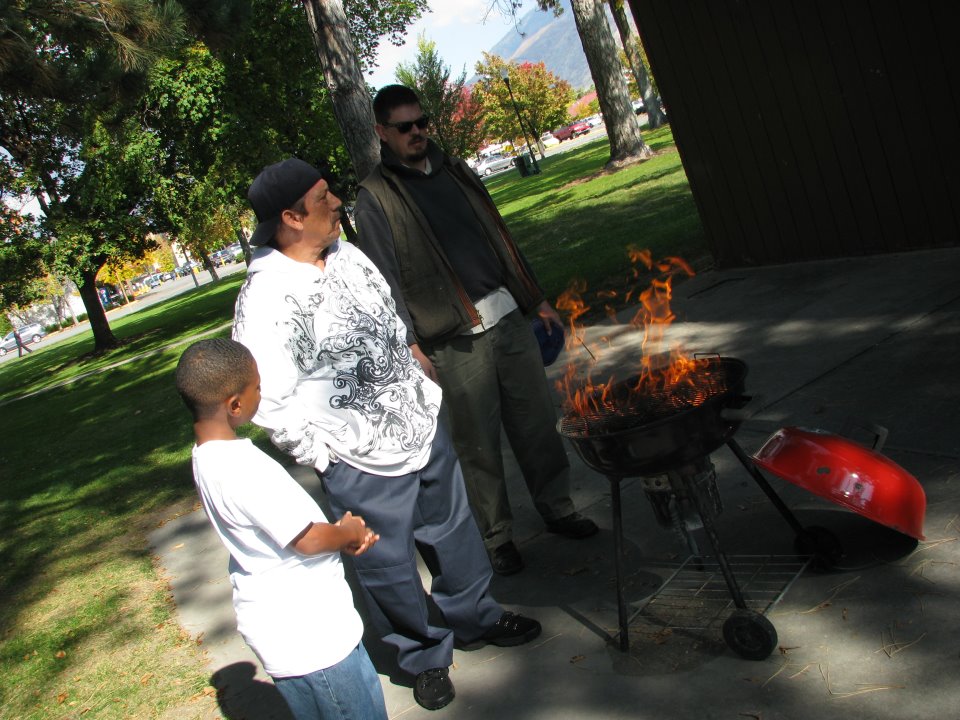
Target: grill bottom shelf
(695,596)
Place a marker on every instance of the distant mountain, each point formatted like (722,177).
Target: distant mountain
(553,41)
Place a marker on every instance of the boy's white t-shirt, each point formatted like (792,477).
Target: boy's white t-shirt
(295,611)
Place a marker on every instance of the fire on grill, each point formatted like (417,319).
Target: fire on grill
(630,403)
(636,433)
(668,412)
(665,375)
(662,422)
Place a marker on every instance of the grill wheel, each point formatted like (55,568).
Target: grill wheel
(750,635)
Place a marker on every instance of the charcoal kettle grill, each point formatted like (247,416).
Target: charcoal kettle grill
(666,437)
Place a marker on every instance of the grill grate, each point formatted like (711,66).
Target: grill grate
(627,407)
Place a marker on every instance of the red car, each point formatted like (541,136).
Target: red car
(571,131)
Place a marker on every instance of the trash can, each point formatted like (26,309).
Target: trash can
(522,165)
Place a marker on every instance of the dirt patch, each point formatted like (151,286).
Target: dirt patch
(613,167)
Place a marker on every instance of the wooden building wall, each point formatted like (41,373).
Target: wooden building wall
(813,128)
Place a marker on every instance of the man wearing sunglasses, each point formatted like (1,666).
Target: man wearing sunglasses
(466,295)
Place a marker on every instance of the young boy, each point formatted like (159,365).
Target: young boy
(294,608)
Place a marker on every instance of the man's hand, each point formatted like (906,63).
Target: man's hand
(428,369)
(549,316)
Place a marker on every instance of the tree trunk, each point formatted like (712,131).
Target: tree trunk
(341,70)
(65,284)
(623,130)
(103,337)
(211,268)
(242,239)
(630,39)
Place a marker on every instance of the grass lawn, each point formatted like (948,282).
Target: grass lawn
(88,467)
(575,220)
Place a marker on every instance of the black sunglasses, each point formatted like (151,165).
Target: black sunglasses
(407,125)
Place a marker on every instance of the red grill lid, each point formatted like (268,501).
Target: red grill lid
(848,474)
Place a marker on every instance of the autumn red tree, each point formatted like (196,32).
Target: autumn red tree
(458,123)
(542,98)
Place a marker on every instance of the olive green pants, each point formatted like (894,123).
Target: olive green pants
(495,380)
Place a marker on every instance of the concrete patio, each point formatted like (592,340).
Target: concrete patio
(876,338)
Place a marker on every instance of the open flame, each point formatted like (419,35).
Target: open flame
(660,370)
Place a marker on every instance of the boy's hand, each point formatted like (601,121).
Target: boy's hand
(360,537)
(369,540)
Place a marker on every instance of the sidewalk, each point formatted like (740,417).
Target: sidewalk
(877,338)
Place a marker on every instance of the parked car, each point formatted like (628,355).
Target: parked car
(639,107)
(571,131)
(220,258)
(493,163)
(548,140)
(31,333)
(594,120)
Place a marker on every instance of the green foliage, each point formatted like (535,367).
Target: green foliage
(124,116)
(458,121)
(105,211)
(69,73)
(22,256)
(184,107)
(541,98)
(183,104)
(632,85)
(372,21)
(40,39)
(274,103)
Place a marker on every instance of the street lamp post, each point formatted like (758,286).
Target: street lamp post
(505,75)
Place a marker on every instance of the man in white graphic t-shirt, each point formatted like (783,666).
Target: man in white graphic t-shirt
(341,392)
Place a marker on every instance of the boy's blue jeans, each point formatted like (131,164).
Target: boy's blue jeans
(349,690)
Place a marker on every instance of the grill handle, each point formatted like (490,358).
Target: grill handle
(879,432)
(742,408)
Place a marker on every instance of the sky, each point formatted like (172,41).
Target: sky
(460,32)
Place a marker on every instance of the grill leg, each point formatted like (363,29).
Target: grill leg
(714,539)
(758,477)
(618,562)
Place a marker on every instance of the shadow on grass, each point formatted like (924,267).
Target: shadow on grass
(86,464)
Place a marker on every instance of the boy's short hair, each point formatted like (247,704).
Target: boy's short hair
(210,371)
(389,97)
